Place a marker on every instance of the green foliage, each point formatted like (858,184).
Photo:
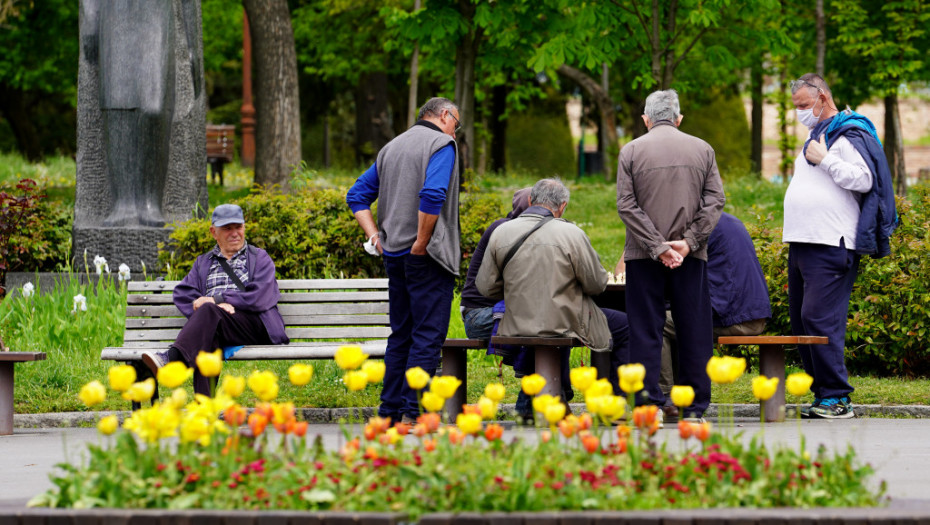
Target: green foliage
(722,123)
(540,143)
(311,233)
(889,313)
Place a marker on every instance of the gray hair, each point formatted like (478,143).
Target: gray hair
(550,193)
(435,106)
(813,82)
(662,105)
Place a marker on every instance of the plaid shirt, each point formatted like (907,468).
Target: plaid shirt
(218,281)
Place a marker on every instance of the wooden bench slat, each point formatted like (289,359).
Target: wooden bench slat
(772,340)
(283,308)
(353,332)
(286,284)
(292,351)
(20,357)
(289,320)
(469,344)
(536,341)
(291,297)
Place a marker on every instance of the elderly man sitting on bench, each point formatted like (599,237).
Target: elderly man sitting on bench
(548,271)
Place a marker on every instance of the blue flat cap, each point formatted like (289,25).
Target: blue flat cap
(227,214)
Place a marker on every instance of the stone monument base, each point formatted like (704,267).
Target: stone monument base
(120,245)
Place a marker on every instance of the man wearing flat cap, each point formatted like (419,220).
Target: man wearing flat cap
(229,297)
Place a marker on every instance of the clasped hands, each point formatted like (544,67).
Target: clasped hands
(228,308)
(674,257)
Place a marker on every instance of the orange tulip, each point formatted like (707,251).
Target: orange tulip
(456,436)
(429,445)
(546,436)
(235,415)
(257,423)
(432,421)
(402,428)
(300,428)
(702,431)
(591,443)
(685,429)
(644,416)
(585,421)
(493,432)
(623,431)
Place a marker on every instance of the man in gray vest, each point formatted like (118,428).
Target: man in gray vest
(415,181)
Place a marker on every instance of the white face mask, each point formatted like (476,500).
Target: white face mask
(807,117)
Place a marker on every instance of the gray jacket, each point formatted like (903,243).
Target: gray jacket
(668,189)
(548,283)
(401,172)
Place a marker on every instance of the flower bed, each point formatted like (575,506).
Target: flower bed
(182,455)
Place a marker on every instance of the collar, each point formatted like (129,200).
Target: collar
(538,210)
(217,253)
(662,123)
(428,124)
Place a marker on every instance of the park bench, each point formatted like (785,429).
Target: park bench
(320,315)
(221,142)
(772,363)
(7,361)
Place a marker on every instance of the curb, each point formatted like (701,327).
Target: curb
(334,415)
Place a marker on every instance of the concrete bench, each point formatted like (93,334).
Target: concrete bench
(320,315)
(772,363)
(7,361)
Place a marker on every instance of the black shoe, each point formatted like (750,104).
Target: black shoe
(670,414)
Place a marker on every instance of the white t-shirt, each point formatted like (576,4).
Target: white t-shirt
(822,202)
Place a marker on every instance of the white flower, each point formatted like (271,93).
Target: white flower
(28,290)
(80,303)
(124,272)
(101,265)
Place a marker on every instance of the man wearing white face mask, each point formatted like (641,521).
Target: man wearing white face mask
(840,204)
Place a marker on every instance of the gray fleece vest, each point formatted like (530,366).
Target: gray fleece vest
(401,173)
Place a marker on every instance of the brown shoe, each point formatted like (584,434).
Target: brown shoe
(670,413)
(407,420)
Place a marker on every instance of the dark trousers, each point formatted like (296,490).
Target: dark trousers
(619,355)
(649,285)
(820,281)
(420,299)
(211,327)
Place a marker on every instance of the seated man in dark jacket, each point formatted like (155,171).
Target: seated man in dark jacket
(229,297)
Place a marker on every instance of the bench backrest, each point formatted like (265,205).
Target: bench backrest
(221,141)
(313,310)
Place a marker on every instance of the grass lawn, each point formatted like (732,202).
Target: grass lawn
(73,342)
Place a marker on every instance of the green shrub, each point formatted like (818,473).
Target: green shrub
(541,143)
(723,124)
(889,319)
(311,233)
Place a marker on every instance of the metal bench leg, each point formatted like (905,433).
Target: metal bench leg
(772,364)
(454,363)
(6,398)
(548,365)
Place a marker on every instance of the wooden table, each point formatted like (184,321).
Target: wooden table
(7,360)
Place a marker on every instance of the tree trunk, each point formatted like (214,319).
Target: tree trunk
(785,141)
(277,99)
(605,106)
(373,124)
(821,37)
(465,57)
(414,78)
(14,106)
(757,102)
(894,147)
(498,128)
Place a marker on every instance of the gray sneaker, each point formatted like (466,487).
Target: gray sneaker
(806,409)
(155,360)
(834,408)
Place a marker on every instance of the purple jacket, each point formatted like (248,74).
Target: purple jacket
(260,295)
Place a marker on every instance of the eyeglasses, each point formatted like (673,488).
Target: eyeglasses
(798,84)
(458,125)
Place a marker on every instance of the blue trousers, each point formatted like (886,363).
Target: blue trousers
(820,281)
(648,285)
(420,302)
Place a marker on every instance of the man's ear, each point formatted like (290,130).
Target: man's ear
(562,209)
(678,121)
(646,121)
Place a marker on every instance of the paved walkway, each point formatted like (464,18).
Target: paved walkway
(898,449)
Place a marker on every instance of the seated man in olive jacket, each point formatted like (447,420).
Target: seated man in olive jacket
(230,298)
(550,281)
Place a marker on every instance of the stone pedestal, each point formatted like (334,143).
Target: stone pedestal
(120,245)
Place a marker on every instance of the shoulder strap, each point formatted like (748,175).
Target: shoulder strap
(516,246)
(229,271)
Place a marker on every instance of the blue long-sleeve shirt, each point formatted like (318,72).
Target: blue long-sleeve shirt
(432,194)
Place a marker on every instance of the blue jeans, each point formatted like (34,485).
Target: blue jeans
(478,322)
(420,302)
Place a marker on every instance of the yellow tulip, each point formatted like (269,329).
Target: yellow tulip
(540,402)
(798,384)
(495,392)
(417,378)
(355,380)
(139,392)
(444,386)
(350,357)
(593,403)
(763,388)
(195,428)
(93,393)
(583,377)
(233,386)
(631,377)
(726,369)
(264,384)
(682,395)
(178,398)
(468,423)
(210,363)
(554,412)
(300,374)
(174,374)
(601,387)
(108,425)
(374,370)
(121,377)
(488,408)
(532,384)
(432,402)
(612,407)
(151,424)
